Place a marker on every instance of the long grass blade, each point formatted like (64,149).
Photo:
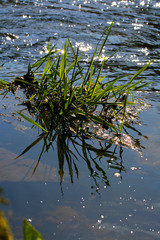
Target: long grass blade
(108,33)
(75,57)
(32,121)
(140,71)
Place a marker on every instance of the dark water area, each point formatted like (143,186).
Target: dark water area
(121,202)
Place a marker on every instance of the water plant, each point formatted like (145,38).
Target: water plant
(67,98)
(70,95)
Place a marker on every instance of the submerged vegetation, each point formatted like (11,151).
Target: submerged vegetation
(73,101)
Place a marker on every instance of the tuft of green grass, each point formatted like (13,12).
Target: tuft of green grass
(62,93)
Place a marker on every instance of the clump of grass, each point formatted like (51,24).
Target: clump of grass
(67,100)
(66,95)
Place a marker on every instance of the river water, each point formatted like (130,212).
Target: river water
(124,206)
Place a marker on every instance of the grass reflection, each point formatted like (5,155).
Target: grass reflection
(98,155)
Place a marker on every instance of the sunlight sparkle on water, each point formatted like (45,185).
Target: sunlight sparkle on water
(157,5)
(117,174)
(144,50)
(113,4)
(142,3)
(82,47)
(29,220)
(137,26)
(133,168)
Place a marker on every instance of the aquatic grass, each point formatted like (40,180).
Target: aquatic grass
(32,121)
(64,99)
(68,102)
(60,90)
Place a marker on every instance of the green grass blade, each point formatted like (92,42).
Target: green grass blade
(56,72)
(94,118)
(33,96)
(73,64)
(140,71)
(46,67)
(89,82)
(108,32)
(29,232)
(4,84)
(66,88)
(32,121)
(101,121)
(42,60)
(63,63)
(69,100)
(142,86)
(90,66)
(75,57)
(41,117)
(98,78)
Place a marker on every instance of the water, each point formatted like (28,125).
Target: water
(123,204)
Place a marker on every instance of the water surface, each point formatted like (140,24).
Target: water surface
(123,205)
